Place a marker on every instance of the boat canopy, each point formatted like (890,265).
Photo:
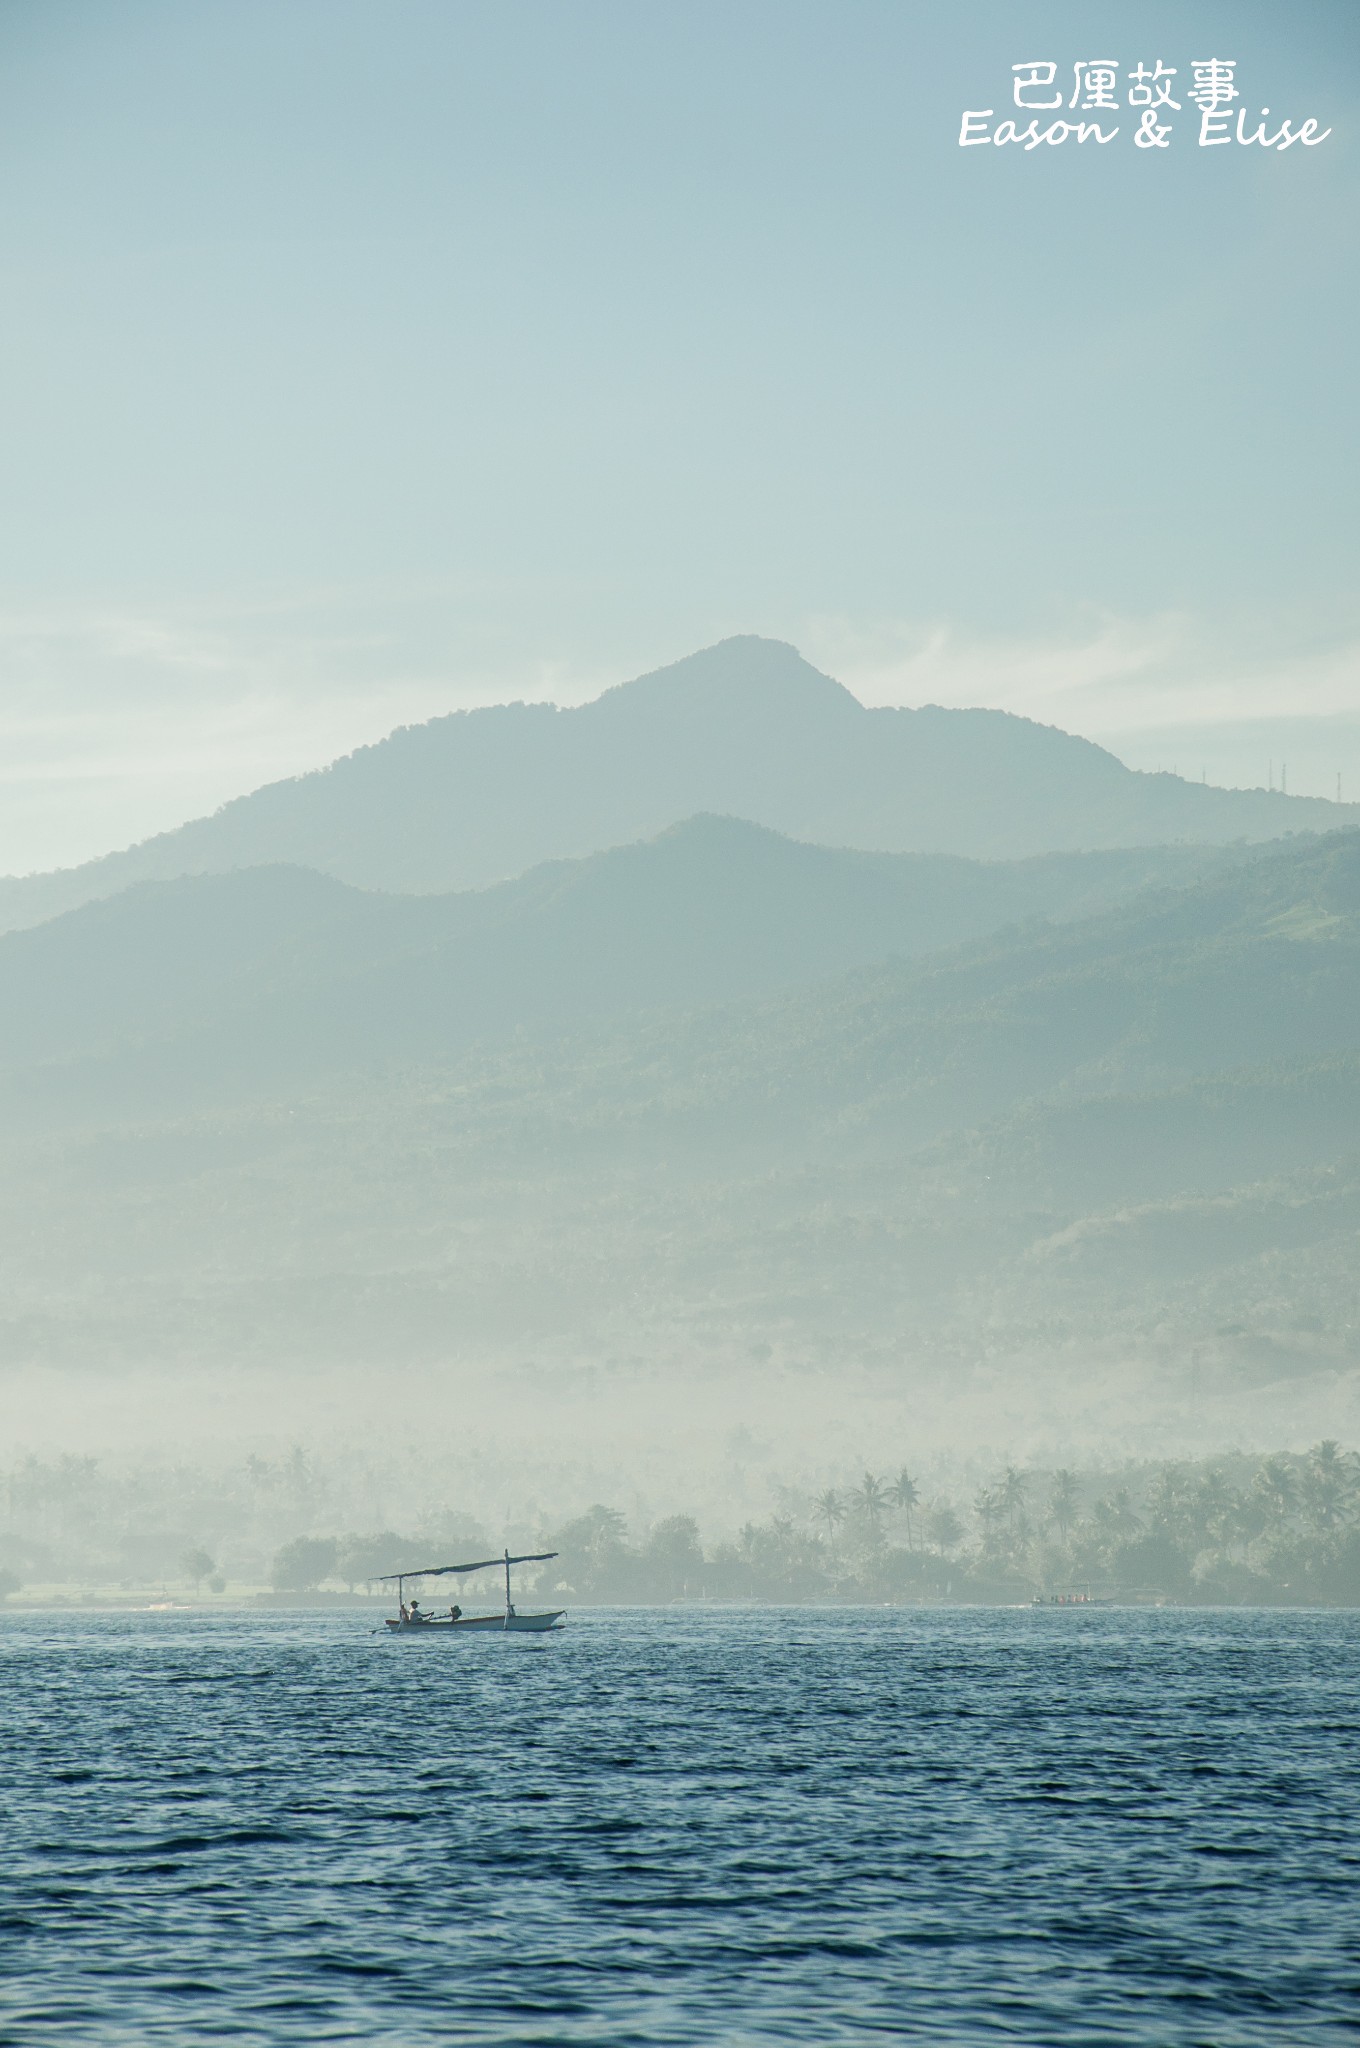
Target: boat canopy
(482,1564)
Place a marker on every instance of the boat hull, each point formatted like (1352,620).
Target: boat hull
(481,1624)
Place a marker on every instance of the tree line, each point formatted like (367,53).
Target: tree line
(1287,1531)
(1285,1528)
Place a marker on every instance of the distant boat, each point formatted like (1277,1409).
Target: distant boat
(413,1621)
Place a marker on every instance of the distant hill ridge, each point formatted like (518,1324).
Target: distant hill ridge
(260,1114)
(279,969)
(747,729)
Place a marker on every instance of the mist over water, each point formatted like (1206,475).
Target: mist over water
(772,1483)
(523,1444)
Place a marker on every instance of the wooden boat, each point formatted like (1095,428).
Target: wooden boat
(413,1621)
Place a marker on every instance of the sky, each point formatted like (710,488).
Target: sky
(365,359)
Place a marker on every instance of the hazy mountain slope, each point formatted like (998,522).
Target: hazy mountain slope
(1255,965)
(275,971)
(1140,1130)
(746,728)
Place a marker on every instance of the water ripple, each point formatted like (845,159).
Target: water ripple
(683,1827)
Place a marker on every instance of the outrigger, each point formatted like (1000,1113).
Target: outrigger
(412,1620)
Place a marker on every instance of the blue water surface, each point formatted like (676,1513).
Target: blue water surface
(682,1825)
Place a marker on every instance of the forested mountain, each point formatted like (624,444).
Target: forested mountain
(249,979)
(1139,1128)
(746,729)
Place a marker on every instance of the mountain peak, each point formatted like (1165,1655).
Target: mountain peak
(745,729)
(743,676)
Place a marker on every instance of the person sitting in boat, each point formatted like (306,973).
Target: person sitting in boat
(416,1615)
(455,1613)
(403,1610)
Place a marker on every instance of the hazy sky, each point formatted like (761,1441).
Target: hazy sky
(364,358)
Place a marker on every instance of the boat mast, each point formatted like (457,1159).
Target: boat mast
(507,1582)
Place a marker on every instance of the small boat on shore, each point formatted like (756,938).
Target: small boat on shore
(413,1620)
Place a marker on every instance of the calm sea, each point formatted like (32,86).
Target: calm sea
(679,1825)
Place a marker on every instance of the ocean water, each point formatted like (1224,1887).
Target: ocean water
(683,1825)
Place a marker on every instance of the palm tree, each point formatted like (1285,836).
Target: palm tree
(870,1500)
(1329,1486)
(1012,1491)
(1063,1498)
(1219,1506)
(987,1508)
(829,1507)
(1276,1487)
(1170,1505)
(905,1495)
(1116,1517)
